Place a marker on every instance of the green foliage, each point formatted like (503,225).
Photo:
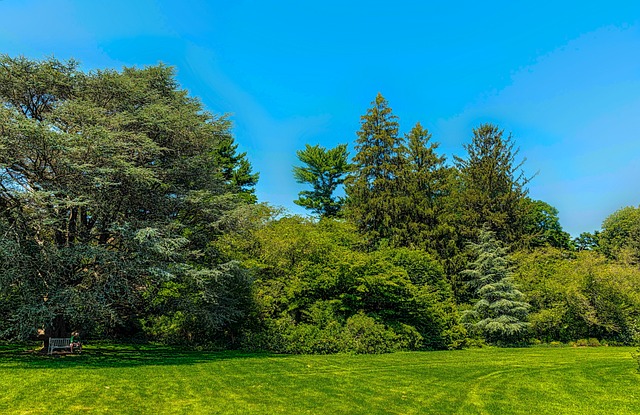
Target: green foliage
(360,334)
(424,187)
(310,280)
(542,226)
(397,192)
(580,295)
(125,208)
(492,186)
(112,185)
(500,312)
(620,236)
(235,168)
(324,170)
(587,241)
(373,187)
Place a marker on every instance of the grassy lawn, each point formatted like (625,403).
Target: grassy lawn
(150,380)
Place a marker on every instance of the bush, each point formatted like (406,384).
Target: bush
(316,291)
(360,334)
(168,328)
(580,296)
(475,343)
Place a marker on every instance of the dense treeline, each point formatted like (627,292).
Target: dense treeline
(126,211)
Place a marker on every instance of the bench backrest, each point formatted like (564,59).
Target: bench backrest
(56,341)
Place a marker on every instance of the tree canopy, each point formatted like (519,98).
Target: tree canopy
(112,184)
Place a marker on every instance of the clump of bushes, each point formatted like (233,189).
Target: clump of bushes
(359,334)
(317,291)
(591,342)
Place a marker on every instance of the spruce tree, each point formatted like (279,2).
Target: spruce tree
(492,186)
(423,180)
(500,311)
(372,189)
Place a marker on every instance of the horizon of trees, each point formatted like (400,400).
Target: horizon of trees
(126,211)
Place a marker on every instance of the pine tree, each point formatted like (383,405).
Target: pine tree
(325,170)
(500,312)
(372,189)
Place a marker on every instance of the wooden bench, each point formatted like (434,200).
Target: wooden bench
(59,343)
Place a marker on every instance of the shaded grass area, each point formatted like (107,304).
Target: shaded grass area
(148,380)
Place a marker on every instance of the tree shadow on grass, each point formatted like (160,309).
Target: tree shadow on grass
(114,356)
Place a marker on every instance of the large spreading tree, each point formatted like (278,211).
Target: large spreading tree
(112,185)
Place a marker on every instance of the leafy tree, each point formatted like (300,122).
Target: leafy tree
(542,226)
(373,190)
(492,185)
(313,287)
(587,241)
(500,312)
(111,187)
(325,170)
(620,236)
(580,295)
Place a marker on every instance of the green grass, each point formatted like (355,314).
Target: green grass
(150,380)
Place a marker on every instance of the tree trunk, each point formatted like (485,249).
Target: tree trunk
(57,328)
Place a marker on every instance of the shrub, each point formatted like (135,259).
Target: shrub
(359,334)
(169,328)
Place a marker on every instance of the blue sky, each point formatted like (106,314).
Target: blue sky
(562,77)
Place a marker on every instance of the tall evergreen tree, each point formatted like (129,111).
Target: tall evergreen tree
(500,311)
(324,170)
(372,189)
(424,186)
(492,185)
